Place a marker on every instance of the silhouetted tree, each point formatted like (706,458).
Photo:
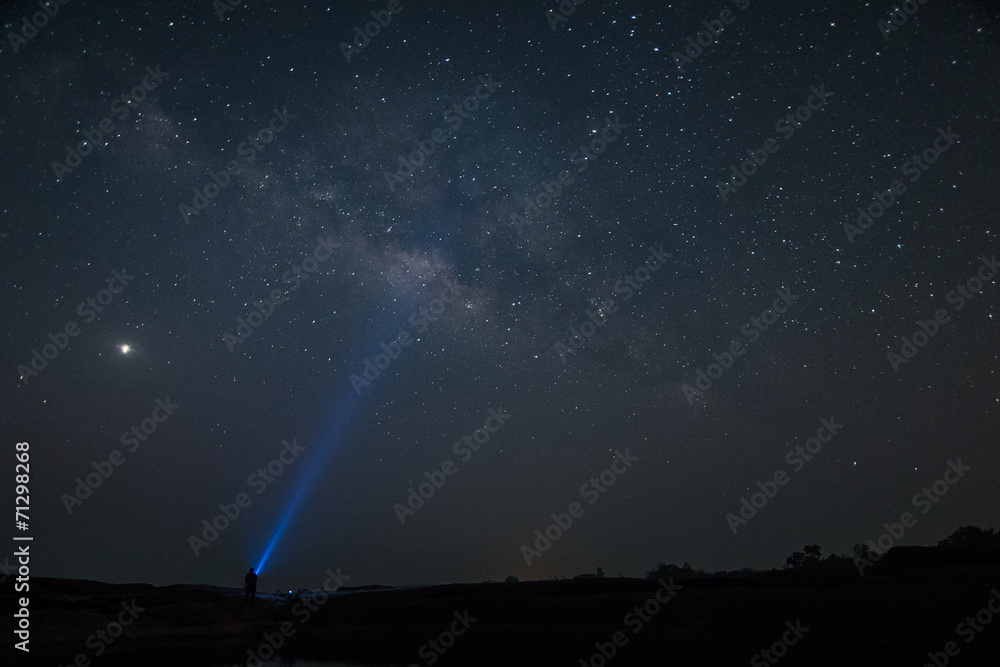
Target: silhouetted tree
(796,560)
(600,572)
(968,537)
(808,557)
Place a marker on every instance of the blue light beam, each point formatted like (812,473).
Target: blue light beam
(335,426)
(327,441)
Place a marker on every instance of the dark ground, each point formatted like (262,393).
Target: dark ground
(891,616)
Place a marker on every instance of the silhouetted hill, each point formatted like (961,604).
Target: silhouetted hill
(907,557)
(908,605)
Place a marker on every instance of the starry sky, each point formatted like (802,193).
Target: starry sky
(260,163)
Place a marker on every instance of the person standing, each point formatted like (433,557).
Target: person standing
(250,586)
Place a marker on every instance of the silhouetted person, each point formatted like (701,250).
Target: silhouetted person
(250,586)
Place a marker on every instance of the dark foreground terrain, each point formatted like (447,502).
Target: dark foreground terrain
(911,604)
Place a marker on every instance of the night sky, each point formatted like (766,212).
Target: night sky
(248,260)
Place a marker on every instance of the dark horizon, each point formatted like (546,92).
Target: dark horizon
(829,563)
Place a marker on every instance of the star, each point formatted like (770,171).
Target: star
(125,349)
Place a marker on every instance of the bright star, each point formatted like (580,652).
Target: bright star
(125,349)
